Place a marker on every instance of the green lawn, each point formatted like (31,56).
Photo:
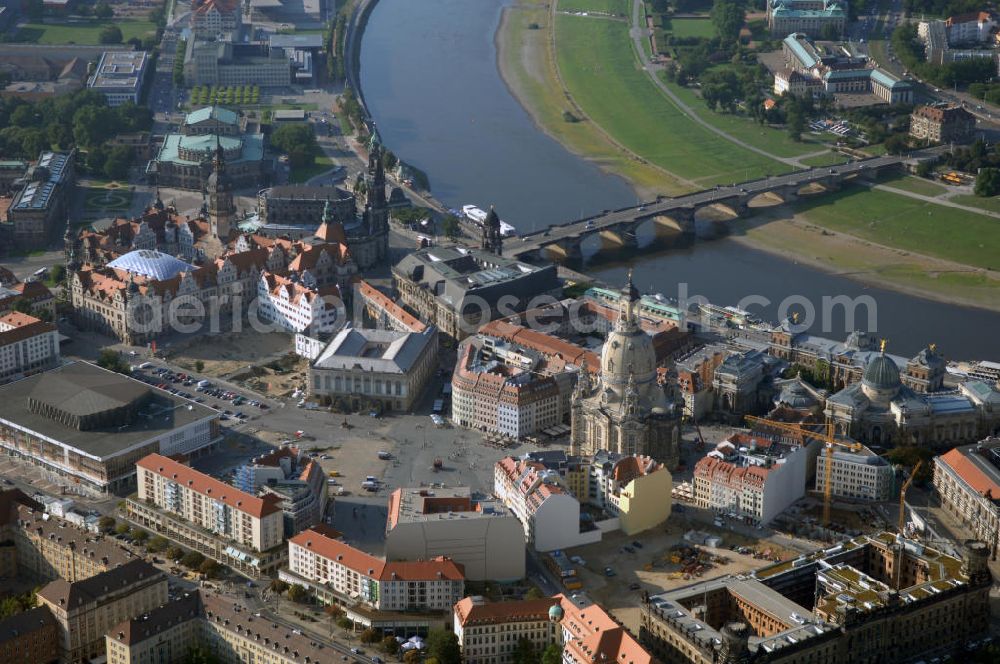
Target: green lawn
(775,141)
(828,159)
(599,68)
(81,32)
(916,185)
(617,7)
(690,27)
(909,224)
(991,204)
(298,175)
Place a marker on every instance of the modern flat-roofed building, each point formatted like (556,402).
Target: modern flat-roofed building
(873,598)
(86,610)
(224,63)
(38,210)
(90,425)
(297,481)
(967,480)
(386,367)
(459,289)
(861,475)
(481,535)
(27,345)
(119,76)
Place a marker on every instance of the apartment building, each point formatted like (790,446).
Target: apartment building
(942,124)
(297,481)
(859,475)
(489,632)
(164,635)
(86,610)
(635,489)
(236,528)
(27,345)
(48,548)
(481,535)
(339,573)
(753,476)
(29,637)
(967,480)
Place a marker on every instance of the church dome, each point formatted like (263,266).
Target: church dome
(628,351)
(881,374)
(152,264)
(555,613)
(796,395)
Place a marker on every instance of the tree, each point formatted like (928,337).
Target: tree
(443,646)
(157,543)
(139,535)
(278,586)
(988,182)
(552,654)
(112,361)
(199,654)
(345,623)
(112,34)
(174,553)
(728,17)
(210,568)
(57,274)
(103,10)
(411,657)
(298,593)
(897,144)
(106,524)
(370,635)
(333,611)
(450,226)
(534,593)
(390,645)
(118,162)
(297,135)
(199,366)
(121,529)
(524,652)
(192,560)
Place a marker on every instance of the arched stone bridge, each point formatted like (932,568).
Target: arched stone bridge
(618,227)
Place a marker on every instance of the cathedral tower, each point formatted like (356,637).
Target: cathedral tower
(219,192)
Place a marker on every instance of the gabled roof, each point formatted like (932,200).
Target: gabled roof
(209,486)
(212,112)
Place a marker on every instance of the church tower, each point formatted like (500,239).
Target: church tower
(376,205)
(70,252)
(219,192)
(492,240)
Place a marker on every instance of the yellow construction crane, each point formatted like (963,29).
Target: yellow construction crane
(830,441)
(902,496)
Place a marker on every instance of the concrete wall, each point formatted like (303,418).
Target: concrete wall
(645,502)
(491,548)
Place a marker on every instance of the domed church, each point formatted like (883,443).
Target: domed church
(628,410)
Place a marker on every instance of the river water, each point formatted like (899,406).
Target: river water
(429,76)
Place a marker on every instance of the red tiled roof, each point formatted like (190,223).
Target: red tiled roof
(970,474)
(209,486)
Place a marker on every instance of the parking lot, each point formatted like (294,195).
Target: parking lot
(234,404)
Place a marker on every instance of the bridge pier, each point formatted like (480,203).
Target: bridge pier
(789,194)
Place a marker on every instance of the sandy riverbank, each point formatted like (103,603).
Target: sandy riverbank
(526,65)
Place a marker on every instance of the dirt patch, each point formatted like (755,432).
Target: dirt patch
(651,566)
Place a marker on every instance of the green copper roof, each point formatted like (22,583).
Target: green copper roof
(212,112)
(252,147)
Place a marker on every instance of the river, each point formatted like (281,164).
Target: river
(429,76)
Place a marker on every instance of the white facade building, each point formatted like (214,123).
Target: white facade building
(863,475)
(318,555)
(119,76)
(26,345)
(295,307)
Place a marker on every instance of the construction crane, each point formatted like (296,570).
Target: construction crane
(902,496)
(829,439)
